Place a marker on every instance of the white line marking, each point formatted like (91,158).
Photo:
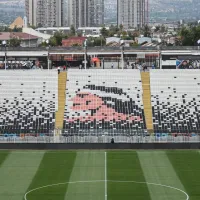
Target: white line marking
(106,176)
(72,151)
(156,184)
(98,181)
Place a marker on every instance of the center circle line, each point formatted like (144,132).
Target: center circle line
(112,181)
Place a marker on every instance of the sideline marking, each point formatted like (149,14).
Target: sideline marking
(100,151)
(106,176)
(113,181)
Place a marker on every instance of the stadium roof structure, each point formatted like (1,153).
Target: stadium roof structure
(19,35)
(36,33)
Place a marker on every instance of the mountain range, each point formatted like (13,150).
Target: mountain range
(174,10)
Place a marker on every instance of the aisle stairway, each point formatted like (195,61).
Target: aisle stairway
(62,78)
(145,76)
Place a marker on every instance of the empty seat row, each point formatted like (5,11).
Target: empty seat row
(28,100)
(175,100)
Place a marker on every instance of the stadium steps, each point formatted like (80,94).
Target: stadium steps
(62,78)
(145,76)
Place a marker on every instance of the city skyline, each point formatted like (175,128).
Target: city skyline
(56,13)
(88,13)
(160,11)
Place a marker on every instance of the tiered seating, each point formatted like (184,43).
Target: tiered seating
(104,102)
(175,98)
(28,101)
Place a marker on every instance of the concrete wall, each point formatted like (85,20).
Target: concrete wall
(100,146)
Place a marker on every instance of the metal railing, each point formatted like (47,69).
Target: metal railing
(101,139)
(98,48)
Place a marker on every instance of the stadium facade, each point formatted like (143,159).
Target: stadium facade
(95,103)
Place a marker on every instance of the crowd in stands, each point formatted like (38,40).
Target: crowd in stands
(22,65)
(187,64)
(142,66)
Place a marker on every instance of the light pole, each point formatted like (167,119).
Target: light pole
(198,43)
(122,56)
(85,55)
(160,57)
(4,43)
(101,39)
(48,61)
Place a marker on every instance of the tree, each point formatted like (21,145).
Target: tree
(79,34)
(90,42)
(163,29)
(104,32)
(134,44)
(52,42)
(125,35)
(59,36)
(195,34)
(113,30)
(4,29)
(100,41)
(188,36)
(76,45)
(16,29)
(33,27)
(146,31)
(135,34)
(178,41)
(157,28)
(14,42)
(56,39)
(121,27)
(72,30)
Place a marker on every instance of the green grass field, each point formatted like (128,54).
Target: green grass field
(100,175)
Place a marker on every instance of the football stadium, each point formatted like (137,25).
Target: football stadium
(99,100)
(104,111)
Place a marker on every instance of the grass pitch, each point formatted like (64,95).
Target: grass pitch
(96,175)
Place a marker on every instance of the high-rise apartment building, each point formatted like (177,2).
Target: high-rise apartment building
(98,12)
(85,13)
(45,13)
(55,13)
(131,13)
(30,11)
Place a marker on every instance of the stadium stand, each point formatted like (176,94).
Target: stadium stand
(28,101)
(175,101)
(104,102)
(87,105)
